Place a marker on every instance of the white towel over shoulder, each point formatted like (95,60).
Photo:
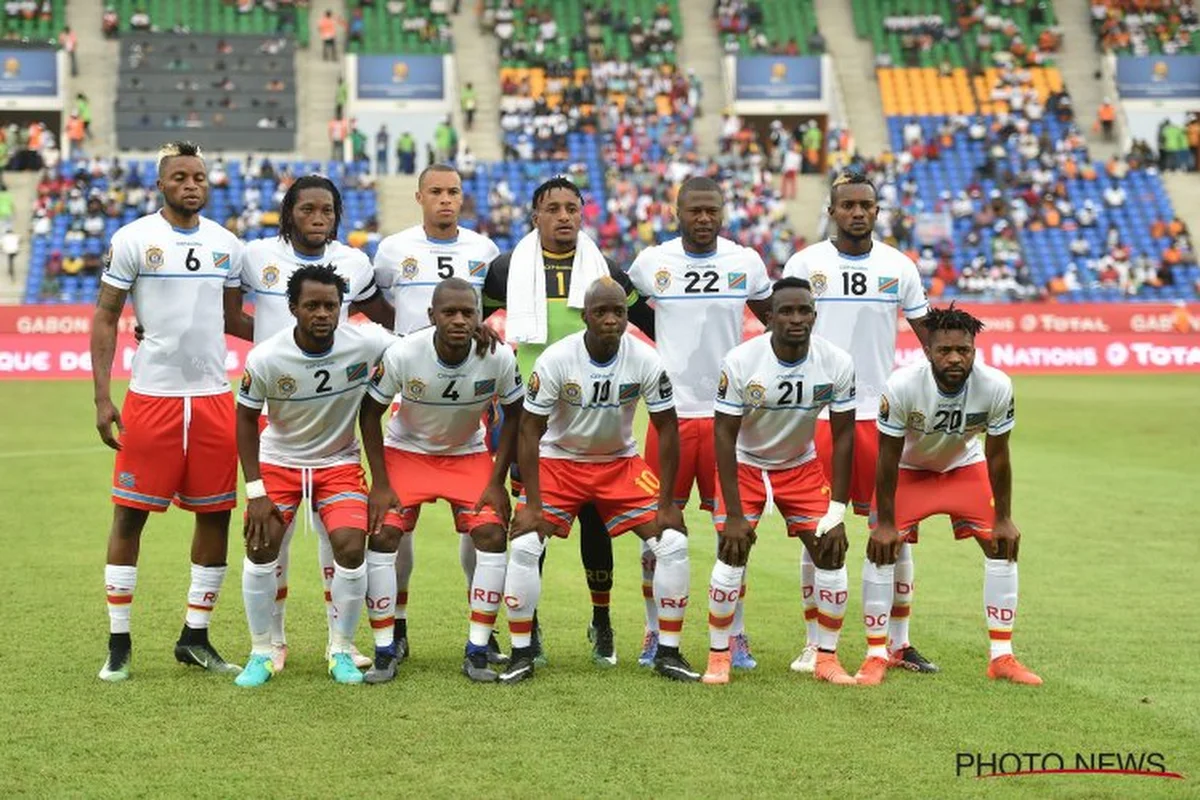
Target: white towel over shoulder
(527,285)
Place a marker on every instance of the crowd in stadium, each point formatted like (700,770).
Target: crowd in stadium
(1145,27)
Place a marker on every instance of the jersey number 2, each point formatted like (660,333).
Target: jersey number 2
(322,376)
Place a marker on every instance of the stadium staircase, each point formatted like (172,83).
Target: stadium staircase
(23,186)
(478,63)
(397,208)
(1079,61)
(316,83)
(700,50)
(98,74)
(1181,188)
(854,65)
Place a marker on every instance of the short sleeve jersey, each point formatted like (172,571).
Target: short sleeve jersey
(441,405)
(941,432)
(409,264)
(859,299)
(779,402)
(590,405)
(177,278)
(269,263)
(699,309)
(312,399)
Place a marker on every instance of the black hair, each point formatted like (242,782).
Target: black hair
(317,273)
(450,284)
(698,183)
(557,182)
(436,168)
(851,177)
(952,319)
(790,283)
(287,221)
(175,150)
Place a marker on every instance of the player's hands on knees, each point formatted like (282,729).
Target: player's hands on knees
(496,496)
(486,339)
(527,520)
(670,517)
(884,545)
(831,548)
(1006,540)
(380,501)
(107,415)
(736,540)
(261,516)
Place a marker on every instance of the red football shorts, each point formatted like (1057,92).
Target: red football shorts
(866,454)
(459,480)
(801,494)
(697,460)
(625,492)
(965,494)
(339,494)
(181,449)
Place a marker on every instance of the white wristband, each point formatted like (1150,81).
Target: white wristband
(255,489)
(836,511)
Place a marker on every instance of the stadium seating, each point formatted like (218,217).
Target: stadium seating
(35,29)
(218,17)
(1141,28)
(224,203)
(785,26)
(385,32)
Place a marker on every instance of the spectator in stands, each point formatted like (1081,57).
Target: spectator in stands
(341,95)
(382,148)
(466,102)
(355,29)
(140,20)
(110,23)
(327,30)
(446,140)
(1173,147)
(68,41)
(11,244)
(358,143)
(406,154)
(339,129)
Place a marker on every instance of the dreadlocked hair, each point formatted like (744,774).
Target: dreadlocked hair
(287,222)
(557,182)
(952,319)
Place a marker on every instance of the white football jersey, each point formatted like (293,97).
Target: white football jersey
(269,263)
(590,405)
(859,300)
(779,402)
(441,405)
(409,264)
(941,432)
(699,306)
(312,400)
(177,278)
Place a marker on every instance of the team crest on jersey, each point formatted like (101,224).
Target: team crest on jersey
(823,393)
(356,372)
(755,393)
(415,388)
(154,258)
(975,422)
(916,421)
(246,381)
(819,283)
(723,385)
(889,285)
(270,275)
(662,280)
(126,479)
(221,261)
(476,267)
(535,386)
(737,280)
(409,267)
(628,391)
(884,408)
(484,388)
(286,385)
(571,392)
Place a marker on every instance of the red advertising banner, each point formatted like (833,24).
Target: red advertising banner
(44,355)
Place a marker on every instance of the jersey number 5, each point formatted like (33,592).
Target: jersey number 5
(445,266)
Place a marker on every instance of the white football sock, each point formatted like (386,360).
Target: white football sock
(902,599)
(119,583)
(278,618)
(878,586)
(1000,603)
(723,592)
(831,586)
(648,587)
(381,596)
(404,568)
(349,591)
(487,590)
(808,596)
(739,608)
(466,557)
(523,587)
(325,557)
(258,596)
(203,594)
(671,580)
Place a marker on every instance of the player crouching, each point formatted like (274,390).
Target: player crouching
(575,447)
(931,462)
(312,379)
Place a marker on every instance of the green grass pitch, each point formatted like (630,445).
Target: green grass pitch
(1106,488)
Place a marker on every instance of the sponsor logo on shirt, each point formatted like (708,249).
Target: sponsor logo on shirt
(270,275)
(154,258)
(286,385)
(409,267)
(755,393)
(819,283)
(486,387)
(737,280)
(628,391)
(822,393)
(889,285)
(662,280)
(356,372)
(221,261)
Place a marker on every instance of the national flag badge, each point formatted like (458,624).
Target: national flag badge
(737,280)
(409,267)
(571,392)
(976,420)
(662,280)
(822,393)
(357,371)
(126,479)
(916,421)
(221,261)
(477,267)
(485,387)
(270,275)
(889,285)
(415,388)
(628,391)
(756,393)
(819,283)
(154,258)
(286,385)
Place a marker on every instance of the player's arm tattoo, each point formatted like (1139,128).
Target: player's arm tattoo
(506,450)
(377,309)
(1000,474)
(370,423)
(247,441)
(533,427)
(841,423)
(237,322)
(887,473)
(725,431)
(666,423)
(104,337)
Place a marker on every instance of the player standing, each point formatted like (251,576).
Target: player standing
(311,380)
(701,284)
(576,446)
(931,462)
(409,264)
(769,394)
(541,283)
(861,286)
(435,450)
(177,427)
(309,218)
